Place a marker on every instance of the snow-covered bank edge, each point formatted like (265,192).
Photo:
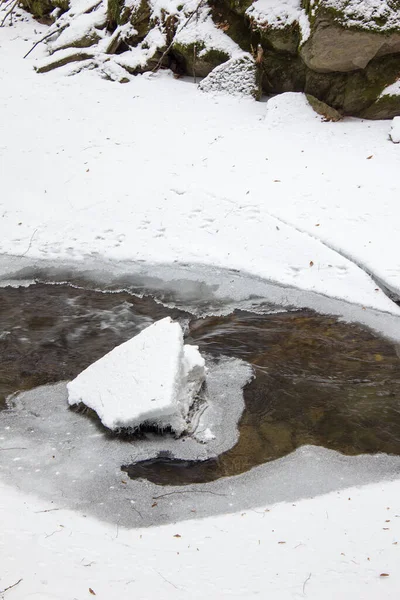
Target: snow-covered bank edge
(199,289)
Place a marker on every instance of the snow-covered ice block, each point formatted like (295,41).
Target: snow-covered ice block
(152,378)
(395,131)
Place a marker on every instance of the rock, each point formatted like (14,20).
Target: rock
(326,111)
(277,23)
(62,58)
(237,76)
(385,107)
(341,43)
(197,59)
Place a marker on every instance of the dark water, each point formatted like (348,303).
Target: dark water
(318,381)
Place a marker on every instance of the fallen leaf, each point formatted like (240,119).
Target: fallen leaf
(311,263)
(92,592)
(317,225)
(384,575)
(154,504)
(177,535)
(368,157)
(277,180)
(281,542)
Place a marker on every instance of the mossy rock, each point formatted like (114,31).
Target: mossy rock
(351,16)
(282,72)
(234,25)
(386,107)
(60,61)
(281,39)
(237,6)
(328,112)
(38,8)
(327,87)
(195,59)
(115,10)
(363,88)
(333,47)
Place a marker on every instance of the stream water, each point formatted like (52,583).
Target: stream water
(317,380)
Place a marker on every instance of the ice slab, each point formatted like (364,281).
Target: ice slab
(152,378)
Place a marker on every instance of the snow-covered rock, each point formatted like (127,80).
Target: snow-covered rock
(395,131)
(237,76)
(152,378)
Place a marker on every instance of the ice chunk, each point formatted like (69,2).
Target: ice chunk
(152,378)
(395,131)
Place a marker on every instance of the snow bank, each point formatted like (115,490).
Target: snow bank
(395,131)
(152,378)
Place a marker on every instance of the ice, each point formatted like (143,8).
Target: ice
(395,131)
(153,378)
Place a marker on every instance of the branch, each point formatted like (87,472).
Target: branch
(9,12)
(158,65)
(58,30)
(10,587)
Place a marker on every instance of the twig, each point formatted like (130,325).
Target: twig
(45,511)
(30,244)
(13,448)
(9,13)
(58,30)
(10,587)
(165,579)
(158,65)
(305,583)
(188,492)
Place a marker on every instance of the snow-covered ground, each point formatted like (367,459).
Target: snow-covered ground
(156,171)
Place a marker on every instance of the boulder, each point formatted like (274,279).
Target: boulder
(237,77)
(344,36)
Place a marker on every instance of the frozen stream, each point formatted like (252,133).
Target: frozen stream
(319,383)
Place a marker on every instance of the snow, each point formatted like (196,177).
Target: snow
(236,77)
(202,30)
(370,14)
(275,13)
(153,379)
(243,184)
(333,546)
(158,173)
(395,130)
(391,90)
(278,14)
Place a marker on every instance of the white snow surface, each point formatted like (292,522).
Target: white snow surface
(275,13)
(153,378)
(391,90)
(341,545)
(278,14)
(370,14)
(395,130)
(236,77)
(158,172)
